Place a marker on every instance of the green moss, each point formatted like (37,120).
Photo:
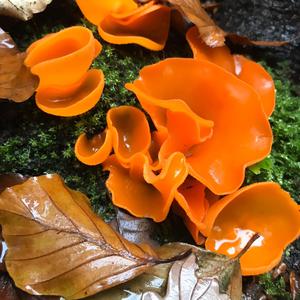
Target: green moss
(283,165)
(274,287)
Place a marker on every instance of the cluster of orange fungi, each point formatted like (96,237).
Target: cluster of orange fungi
(126,22)
(61,61)
(210,115)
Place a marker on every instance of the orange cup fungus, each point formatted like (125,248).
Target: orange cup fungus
(61,61)
(210,124)
(262,208)
(245,69)
(125,22)
(208,114)
(140,190)
(136,182)
(127,133)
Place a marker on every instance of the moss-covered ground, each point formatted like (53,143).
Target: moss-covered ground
(34,143)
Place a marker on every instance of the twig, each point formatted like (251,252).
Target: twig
(248,245)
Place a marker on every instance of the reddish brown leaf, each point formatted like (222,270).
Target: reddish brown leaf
(10,179)
(16,81)
(58,246)
(210,33)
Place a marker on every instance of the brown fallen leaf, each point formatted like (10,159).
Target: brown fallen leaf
(10,179)
(192,10)
(58,246)
(202,275)
(22,9)
(8,291)
(16,81)
(184,284)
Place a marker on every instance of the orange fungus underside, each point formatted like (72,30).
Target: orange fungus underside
(124,22)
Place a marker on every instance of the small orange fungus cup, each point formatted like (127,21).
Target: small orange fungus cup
(61,61)
(130,132)
(245,69)
(262,208)
(95,150)
(124,22)
(127,133)
(215,119)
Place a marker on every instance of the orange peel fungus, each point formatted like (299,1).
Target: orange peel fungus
(208,114)
(61,61)
(209,126)
(124,22)
(262,208)
(140,190)
(245,69)
(127,133)
(135,181)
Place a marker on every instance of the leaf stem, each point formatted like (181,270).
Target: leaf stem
(175,258)
(248,245)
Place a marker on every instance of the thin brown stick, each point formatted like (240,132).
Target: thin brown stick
(248,245)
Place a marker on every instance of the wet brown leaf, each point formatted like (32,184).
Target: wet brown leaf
(16,81)
(22,9)
(184,284)
(58,246)
(202,275)
(192,10)
(10,179)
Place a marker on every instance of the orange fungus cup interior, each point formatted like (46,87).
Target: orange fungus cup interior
(262,208)
(124,22)
(245,69)
(61,61)
(127,133)
(95,150)
(208,114)
(130,132)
